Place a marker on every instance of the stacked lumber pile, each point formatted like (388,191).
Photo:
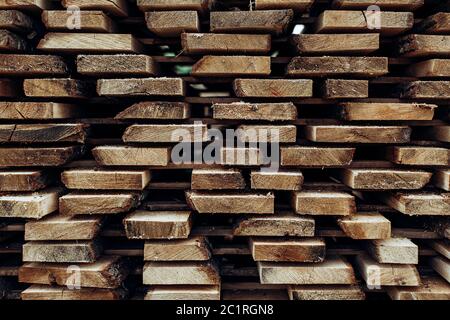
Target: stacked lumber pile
(333,184)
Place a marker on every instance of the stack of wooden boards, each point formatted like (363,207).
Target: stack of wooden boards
(100,200)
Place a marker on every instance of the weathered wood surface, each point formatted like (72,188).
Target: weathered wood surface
(432,288)
(27,64)
(441,179)
(255,111)
(89,21)
(23,180)
(394,250)
(156,110)
(418,156)
(180,273)
(345,89)
(10,41)
(120,64)
(267,133)
(61,252)
(114,7)
(226,66)
(170,5)
(183,293)
(326,292)
(15,21)
(271,88)
(37,110)
(420,203)
(172,23)
(365,226)
(430,69)
(438,23)
(131,156)
(217,179)
(57,88)
(192,249)
(166,133)
(336,43)
(240,156)
(323,203)
(421,45)
(426,90)
(141,87)
(34,205)
(409,5)
(42,133)
(316,156)
(280,180)
(37,157)
(355,111)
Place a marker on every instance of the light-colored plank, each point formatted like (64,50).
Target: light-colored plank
(280,180)
(33,205)
(271,88)
(57,88)
(316,156)
(37,157)
(119,64)
(31,180)
(114,7)
(180,273)
(420,203)
(37,110)
(131,156)
(430,69)
(192,249)
(394,250)
(183,293)
(156,110)
(43,292)
(226,66)
(323,203)
(27,5)
(345,89)
(61,252)
(267,133)
(421,45)
(141,87)
(355,111)
(217,179)
(336,43)
(166,133)
(255,111)
(172,23)
(325,292)
(432,288)
(426,90)
(42,133)
(365,226)
(240,156)
(89,21)
(27,64)
(418,156)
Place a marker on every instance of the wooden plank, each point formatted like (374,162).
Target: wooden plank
(158,224)
(441,179)
(10,41)
(119,64)
(419,203)
(394,250)
(280,180)
(172,23)
(240,156)
(355,111)
(183,293)
(160,133)
(432,288)
(226,66)
(180,273)
(441,133)
(289,250)
(430,69)
(255,111)
(76,203)
(34,205)
(297,5)
(421,45)
(345,89)
(267,21)
(267,133)
(365,226)
(441,246)
(108,272)
(156,110)
(57,88)
(192,249)
(418,156)
(22,180)
(358,134)
(323,203)
(326,292)
(316,156)
(170,5)
(271,88)
(61,227)
(44,292)
(426,90)
(326,66)
(141,87)
(89,43)
(409,5)
(9,88)
(336,43)
(37,110)
(386,274)
(438,23)
(384,179)
(26,5)
(101,179)
(15,21)
(241,203)
(42,133)
(334,270)
(131,156)
(114,7)
(391,23)
(37,157)
(211,43)
(28,64)
(61,252)
(217,179)
(89,21)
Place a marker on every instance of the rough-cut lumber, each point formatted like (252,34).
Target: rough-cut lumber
(141,87)
(289,250)
(201,43)
(192,249)
(323,203)
(103,203)
(37,157)
(183,293)
(44,292)
(120,64)
(108,272)
(95,179)
(280,180)
(438,23)
(231,202)
(355,111)
(421,45)
(441,179)
(216,66)
(240,157)
(426,90)
(42,133)
(114,7)
(316,156)
(57,88)
(359,134)
(394,250)
(255,111)
(379,274)
(27,5)
(15,21)
(432,288)
(16,180)
(158,224)
(345,89)
(267,133)
(409,5)
(180,273)
(273,88)
(160,133)
(33,205)
(10,41)
(89,21)
(384,179)
(170,5)
(326,292)
(365,226)
(325,66)
(217,179)
(172,23)
(131,156)
(61,227)
(37,110)
(266,21)
(297,5)
(336,43)
(61,252)
(338,21)
(333,270)
(278,225)
(420,203)
(89,43)
(423,156)
(27,64)
(9,88)
(441,246)
(430,69)
(156,110)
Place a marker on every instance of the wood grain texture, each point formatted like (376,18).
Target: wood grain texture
(61,252)
(42,133)
(281,180)
(141,87)
(365,226)
(271,88)
(172,23)
(180,273)
(90,21)
(255,111)
(156,110)
(426,90)
(37,110)
(336,43)
(326,292)
(37,157)
(438,23)
(419,203)
(418,156)
(183,293)
(430,68)
(57,88)
(166,133)
(119,64)
(355,111)
(316,156)
(131,156)
(44,292)
(345,89)
(192,249)
(28,64)
(217,179)
(267,133)
(323,203)
(23,180)
(421,45)
(227,66)
(114,7)
(394,250)
(15,21)
(34,205)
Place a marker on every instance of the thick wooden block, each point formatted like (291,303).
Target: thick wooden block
(94,179)
(170,5)
(345,89)
(327,66)
(421,45)
(326,292)
(420,203)
(27,64)
(140,87)
(61,252)
(131,156)
(316,157)
(180,273)
(114,7)
(323,203)
(183,293)
(432,288)
(37,157)
(336,43)
(160,133)
(271,88)
(37,110)
(267,133)
(333,270)
(297,5)
(192,249)
(231,202)
(172,23)
(426,90)
(9,88)
(223,66)
(418,156)
(384,179)
(156,110)
(217,179)
(365,226)
(33,205)
(255,111)
(15,21)
(359,134)
(295,250)
(394,250)
(44,292)
(89,21)
(158,224)
(42,133)
(119,64)
(267,21)
(108,273)
(430,69)
(438,23)
(31,180)
(409,5)
(355,111)
(380,274)
(279,225)
(281,180)
(441,179)
(61,227)
(57,88)
(10,41)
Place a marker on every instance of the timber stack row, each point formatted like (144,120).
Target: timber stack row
(119,179)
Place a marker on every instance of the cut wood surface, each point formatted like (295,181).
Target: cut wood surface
(217,179)
(183,293)
(328,292)
(170,5)
(255,111)
(37,157)
(160,133)
(355,111)
(421,45)
(316,156)
(192,249)
(267,133)
(34,205)
(345,89)
(441,179)
(432,288)
(120,64)
(158,224)
(10,41)
(45,292)
(365,226)
(42,133)
(438,23)
(131,156)
(27,64)
(180,273)
(271,88)
(423,156)
(426,90)
(394,250)
(336,43)
(61,252)
(383,4)
(241,156)
(430,69)
(216,66)
(114,7)
(15,21)
(419,203)
(172,23)
(22,180)
(57,88)
(37,110)
(280,180)
(156,110)
(323,203)
(141,87)
(89,21)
